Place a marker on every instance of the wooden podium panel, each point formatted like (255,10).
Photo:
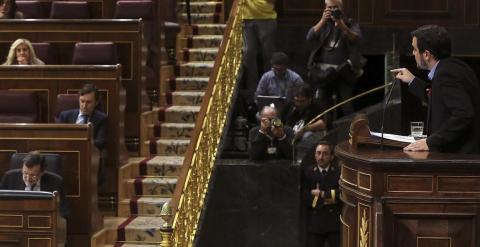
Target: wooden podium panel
(394,198)
(30,219)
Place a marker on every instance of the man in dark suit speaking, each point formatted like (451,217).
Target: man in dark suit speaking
(454,96)
(87,113)
(33,177)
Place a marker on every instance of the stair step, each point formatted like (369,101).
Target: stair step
(201,7)
(167,147)
(153,186)
(178,114)
(141,229)
(188,83)
(185,98)
(201,18)
(195,69)
(162,166)
(201,41)
(207,29)
(197,54)
(171,130)
(142,206)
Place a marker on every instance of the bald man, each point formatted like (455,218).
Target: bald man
(270,140)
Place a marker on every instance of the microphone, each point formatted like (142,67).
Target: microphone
(387,99)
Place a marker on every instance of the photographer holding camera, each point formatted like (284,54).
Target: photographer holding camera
(272,139)
(335,62)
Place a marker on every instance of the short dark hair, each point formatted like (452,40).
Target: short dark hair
(303,90)
(279,58)
(326,143)
(89,88)
(33,159)
(435,39)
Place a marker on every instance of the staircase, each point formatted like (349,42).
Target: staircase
(147,182)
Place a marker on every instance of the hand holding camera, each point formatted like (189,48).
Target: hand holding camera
(277,128)
(272,127)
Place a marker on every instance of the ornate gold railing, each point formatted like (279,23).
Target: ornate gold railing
(188,200)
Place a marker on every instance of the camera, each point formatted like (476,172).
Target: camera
(276,122)
(337,13)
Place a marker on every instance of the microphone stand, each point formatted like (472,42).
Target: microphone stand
(387,99)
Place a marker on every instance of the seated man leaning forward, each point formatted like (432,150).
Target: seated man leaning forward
(270,140)
(33,177)
(87,113)
(280,80)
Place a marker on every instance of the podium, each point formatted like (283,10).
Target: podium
(30,218)
(393,198)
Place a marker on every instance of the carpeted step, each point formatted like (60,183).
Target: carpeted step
(197,54)
(178,114)
(201,7)
(142,206)
(161,166)
(167,147)
(201,41)
(140,229)
(195,69)
(201,18)
(150,186)
(206,29)
(171,130)
(188,83)
(185,98)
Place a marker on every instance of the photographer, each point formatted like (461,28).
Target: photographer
(270,140)
(335,62)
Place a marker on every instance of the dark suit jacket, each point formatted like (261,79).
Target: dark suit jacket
(324,218)
(453,121)
(259,143)
(99,121)
(13,180)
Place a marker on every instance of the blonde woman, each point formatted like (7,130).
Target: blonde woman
(22,53)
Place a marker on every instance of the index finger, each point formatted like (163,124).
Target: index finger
(397,70)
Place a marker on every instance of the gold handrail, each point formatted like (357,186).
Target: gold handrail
(189,195)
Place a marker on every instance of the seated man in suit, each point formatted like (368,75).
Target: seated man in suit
(87,113)
(33,177)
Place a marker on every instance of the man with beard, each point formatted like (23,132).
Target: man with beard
(298,114)
(453,98)
(321,197)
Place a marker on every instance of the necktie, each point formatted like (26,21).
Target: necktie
(82,119)
(324,172)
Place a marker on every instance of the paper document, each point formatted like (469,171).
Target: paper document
(408,139)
